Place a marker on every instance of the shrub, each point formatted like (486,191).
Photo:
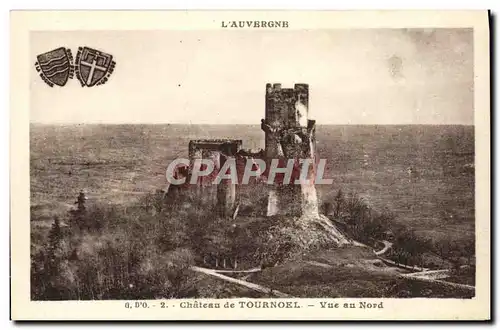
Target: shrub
(367,225)
(112,252)
(362,222)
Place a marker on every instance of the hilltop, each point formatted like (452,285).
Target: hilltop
(148,250)
(430,221)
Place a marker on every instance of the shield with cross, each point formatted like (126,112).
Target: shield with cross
(93,67)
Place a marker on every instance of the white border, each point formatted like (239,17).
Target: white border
(94,4)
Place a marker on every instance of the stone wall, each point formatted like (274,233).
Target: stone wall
(218,150)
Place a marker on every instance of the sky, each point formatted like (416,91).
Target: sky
(361,76)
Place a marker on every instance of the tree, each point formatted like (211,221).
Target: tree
(81,199)
(55,237)
(52,267)
(78,215)
(339,203)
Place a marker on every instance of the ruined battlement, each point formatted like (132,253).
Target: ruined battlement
(276,87)
(287,107)
(226,146)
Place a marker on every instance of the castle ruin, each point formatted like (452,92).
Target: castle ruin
(289,135)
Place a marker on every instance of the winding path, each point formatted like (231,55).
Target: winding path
(253,286)
(421,274)
(387,246)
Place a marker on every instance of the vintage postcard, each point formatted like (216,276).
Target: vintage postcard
(250,165)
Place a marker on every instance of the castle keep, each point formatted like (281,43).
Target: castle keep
(290,134)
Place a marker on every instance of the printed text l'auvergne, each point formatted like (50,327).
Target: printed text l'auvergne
(254,24)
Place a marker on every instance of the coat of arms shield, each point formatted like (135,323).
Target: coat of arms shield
(93,67)
(55,67)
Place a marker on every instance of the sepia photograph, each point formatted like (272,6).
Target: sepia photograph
(253,161)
